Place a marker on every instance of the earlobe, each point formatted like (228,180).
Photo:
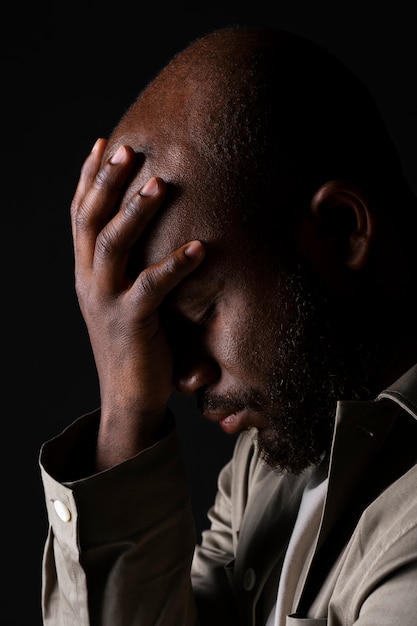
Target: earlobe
(345,214)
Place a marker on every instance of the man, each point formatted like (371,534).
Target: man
(246,236)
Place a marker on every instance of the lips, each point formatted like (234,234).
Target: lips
(234,422)
(230,424)
(228,420)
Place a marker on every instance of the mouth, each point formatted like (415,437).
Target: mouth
(233,422)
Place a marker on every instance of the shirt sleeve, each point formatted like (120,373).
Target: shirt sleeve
(120,542)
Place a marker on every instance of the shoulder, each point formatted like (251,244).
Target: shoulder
(381,558)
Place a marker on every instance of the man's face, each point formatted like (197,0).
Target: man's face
(253,335)
(256,340)
(271,349)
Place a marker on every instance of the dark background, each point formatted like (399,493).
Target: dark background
(69,72)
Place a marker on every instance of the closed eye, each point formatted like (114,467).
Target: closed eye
(209,312)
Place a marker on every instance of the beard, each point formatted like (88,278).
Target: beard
(324,351)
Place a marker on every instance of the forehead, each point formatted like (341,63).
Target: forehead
(193,208)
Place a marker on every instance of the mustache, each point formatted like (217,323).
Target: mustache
(232,401)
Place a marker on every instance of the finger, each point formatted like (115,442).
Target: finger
(88,172)
(114,243)
(90,168)
(158,280)
(101,199)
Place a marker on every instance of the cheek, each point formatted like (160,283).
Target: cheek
(237,344)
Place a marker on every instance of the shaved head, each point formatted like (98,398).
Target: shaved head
(245,109)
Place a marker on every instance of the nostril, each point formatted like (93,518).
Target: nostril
(201,374)
(187,385)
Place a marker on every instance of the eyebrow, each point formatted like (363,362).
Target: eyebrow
(186,299)
(190,295)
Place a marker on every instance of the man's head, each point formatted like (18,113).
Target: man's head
(277,160)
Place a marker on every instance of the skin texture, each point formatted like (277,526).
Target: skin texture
(198,268)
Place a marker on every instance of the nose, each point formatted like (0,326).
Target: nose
(197,373)
(194,365)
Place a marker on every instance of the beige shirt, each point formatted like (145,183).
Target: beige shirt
(121,548)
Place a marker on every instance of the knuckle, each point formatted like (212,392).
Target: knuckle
(149,283)
(102,179)
(80,216)
(157,280)
(131,208)
(105,242)
(83,212)
(172,265)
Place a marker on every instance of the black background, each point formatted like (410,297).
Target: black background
(68,72)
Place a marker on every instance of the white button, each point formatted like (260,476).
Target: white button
(62,511)
(249,579)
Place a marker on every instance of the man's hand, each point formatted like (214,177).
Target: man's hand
(132,355)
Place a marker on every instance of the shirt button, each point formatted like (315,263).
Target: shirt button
(249,579)
(62,511)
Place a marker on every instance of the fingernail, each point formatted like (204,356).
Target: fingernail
(94,148)
(194,249)
(150,188)
(119,156)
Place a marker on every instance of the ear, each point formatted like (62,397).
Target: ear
(345,220)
